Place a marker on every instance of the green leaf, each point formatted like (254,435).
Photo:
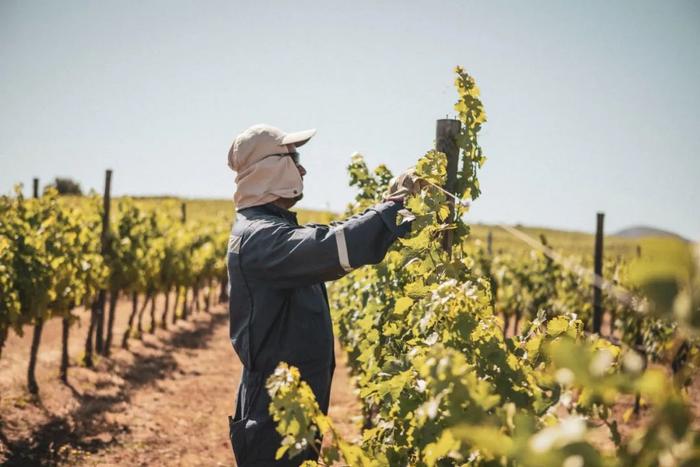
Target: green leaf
(402,304)
(557,326)
(444,445)
(390,329)
(443,213)
(486,438)
(280,451)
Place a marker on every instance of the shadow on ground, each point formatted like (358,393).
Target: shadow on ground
(86,428)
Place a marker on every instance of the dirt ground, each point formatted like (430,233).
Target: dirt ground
(164,401)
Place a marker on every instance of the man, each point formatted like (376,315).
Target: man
(277,268)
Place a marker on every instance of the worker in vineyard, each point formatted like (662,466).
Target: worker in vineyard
(277,268)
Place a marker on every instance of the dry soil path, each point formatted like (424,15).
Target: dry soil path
(163,402)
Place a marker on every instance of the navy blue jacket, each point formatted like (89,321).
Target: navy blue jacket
(279,305)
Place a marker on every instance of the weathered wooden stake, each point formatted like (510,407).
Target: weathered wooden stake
(598,270)
(446,134)
(183,212)
(38,327)
(104,240)
(489,243)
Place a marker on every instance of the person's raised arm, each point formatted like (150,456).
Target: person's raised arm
(291,256)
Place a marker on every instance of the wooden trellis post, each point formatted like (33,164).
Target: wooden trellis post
(446,134)
(598,271)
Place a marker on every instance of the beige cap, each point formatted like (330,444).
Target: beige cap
(261,179)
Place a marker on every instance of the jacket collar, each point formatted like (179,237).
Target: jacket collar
(275,210)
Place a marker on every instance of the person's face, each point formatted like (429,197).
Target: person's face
(300,168)
(302,172)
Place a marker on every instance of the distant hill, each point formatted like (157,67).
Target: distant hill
(645,231)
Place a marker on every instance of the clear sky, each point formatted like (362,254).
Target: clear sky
(591,105)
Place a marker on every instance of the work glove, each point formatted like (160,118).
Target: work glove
(405,184)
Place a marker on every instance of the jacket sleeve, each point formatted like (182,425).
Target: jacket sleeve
(291,256)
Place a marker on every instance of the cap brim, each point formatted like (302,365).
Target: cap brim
(299,138)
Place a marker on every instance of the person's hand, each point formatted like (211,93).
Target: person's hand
(403,185)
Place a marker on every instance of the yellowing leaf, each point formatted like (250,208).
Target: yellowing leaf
(433,452)
(533,347)
(444,212)
(402,304)
(557,326)
(391,329)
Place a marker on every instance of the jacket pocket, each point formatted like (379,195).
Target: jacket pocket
(237,433)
